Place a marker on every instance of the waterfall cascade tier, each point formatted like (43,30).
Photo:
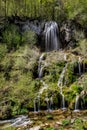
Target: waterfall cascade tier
(40,68)
(52,41)
(77,104)
(60,84)
(49,102)
(60,80)
(45,86)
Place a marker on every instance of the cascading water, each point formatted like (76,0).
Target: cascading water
(38,102)
(63,102)
(47,101)
(77,104)
(52,41)
(35,105)
(40,74)
(51,103)
(45,86)
(60,80)
(60,84)
(40,68)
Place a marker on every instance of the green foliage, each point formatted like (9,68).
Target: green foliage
(24,111)
(78,124)
(49,117)
(11,37)
(76,9)
(83,47)
(65,122)
(76,89)
(61,128)
(10,128)
(30,38)
(46,9)
(3,51)
(50,128)
(70,77)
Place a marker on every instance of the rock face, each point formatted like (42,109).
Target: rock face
(67,31)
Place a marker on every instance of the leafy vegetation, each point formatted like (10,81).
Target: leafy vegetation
(65,122)
(19,83)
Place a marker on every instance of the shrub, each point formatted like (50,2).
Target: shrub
(30,38)
(83,47)
(78,124)
(65,122)
(3,51)
(76,89)
(11,37)
(24,111)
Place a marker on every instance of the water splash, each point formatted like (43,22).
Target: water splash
(51,36)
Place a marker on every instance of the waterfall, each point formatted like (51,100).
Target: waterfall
(60,84)
(45,86)
(51,36)
(35,105)
(63,98)
(51,103)
(63,102)
(60,80)
(77,104)
(40,68)
(38,103)
(47,101)
(79,65)
(40,72)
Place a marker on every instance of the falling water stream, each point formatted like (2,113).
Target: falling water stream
(52,41)
(45,86)
(60,84)
(40,67)
(51,103)
(77,104)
